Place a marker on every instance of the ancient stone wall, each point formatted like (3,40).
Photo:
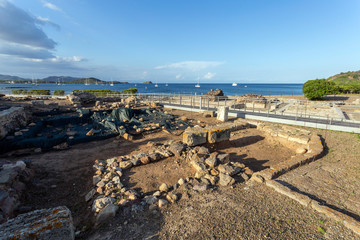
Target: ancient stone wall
(10,119)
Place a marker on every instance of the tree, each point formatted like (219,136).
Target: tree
(316,89)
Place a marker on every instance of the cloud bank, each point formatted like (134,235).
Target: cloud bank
(190,65)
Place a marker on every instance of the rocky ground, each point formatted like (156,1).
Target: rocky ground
(244,211)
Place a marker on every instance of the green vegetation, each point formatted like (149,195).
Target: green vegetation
(348,82)
(59,92)
(31,92)
(148,82)
(321,230)
(316,89)
(105,92)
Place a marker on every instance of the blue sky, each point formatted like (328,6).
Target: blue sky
(252,41)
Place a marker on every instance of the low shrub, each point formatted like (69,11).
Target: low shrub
(59,92)
(105,92)
(31,92)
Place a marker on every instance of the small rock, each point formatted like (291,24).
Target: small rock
(162,203)
(226,180)
(89,195)
(100,190)
(145,160)
(171,197)
(108,212)
(244,176)
(17,134)
(125,164)
(257,178)
(248,171)
(181,181)
(150,199)
(37,150)
(214,172)
(128,137)
(164,187)
(200,187)
(183,118)
(157,194)
(91,132)
(223,158)
(211,161)
(101,183)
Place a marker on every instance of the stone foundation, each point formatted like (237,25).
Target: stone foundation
(10,119)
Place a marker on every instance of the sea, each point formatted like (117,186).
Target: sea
(171,88)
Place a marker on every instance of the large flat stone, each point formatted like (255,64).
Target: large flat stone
(54,223)
(195,136)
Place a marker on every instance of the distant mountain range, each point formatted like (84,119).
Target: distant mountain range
(55,79)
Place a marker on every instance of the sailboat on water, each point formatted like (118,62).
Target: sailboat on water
(87,82)
(156,85)
(166,85)
(198,84)
(234,84)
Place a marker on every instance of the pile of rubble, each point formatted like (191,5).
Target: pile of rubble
(109,192)
(13,177)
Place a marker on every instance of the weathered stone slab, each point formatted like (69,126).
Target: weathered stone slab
(218,134)
(195,136)
(54,223)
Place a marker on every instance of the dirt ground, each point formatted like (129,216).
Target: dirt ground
(243,212)
(334,178)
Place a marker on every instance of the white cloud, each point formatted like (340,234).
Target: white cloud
(67,59)
(209,75)
(190,65)
(51,6)
(44,21)
(18,26)
(178,76)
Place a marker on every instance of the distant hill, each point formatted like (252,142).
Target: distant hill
(346,78)
(57,79)
(11,78)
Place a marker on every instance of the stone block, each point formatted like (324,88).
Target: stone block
(195,136)
(223,113)
(54,223)
(218,134)
(108,212)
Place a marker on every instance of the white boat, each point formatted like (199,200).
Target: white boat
(234,84)
(166,85)
(156,85)
(111,84)
(245,86)
(198,84)
(87,82)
